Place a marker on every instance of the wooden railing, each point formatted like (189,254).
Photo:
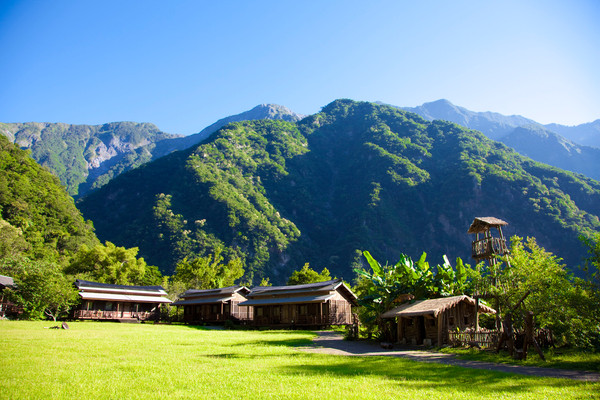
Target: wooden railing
(99,314)
(341,319)
(487,247)
(481,338)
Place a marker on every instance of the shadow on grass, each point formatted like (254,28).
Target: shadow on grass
(433,376)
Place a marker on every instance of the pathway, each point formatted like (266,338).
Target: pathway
(329,342)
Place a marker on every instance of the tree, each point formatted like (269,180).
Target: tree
(533,279)
(209,272)
(41,287)
(308,275)
(111,264)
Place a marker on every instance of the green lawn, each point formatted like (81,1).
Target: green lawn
(555,358)
(122,361)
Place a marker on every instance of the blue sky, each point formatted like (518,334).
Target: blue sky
(184,64)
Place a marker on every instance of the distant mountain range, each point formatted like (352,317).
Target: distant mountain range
(85,157)
(574,148)
(356,176)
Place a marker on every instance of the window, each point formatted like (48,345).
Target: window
(108,306)
(302,309)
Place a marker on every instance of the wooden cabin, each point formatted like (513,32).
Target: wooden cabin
(104,301)
(314,304)
(486,246)
(215,305)
(428,321)
(8,308)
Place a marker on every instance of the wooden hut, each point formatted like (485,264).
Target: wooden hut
(8,308)
(214,305)
(430,320)
(314,304)
(103,301)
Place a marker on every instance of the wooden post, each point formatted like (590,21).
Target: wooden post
(440,329)
(477,314)
(528,332)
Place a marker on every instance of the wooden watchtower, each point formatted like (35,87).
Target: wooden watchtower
(487,246)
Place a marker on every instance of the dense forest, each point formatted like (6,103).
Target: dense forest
(356,176)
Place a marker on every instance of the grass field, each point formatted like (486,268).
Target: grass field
(555,358)
(122,361)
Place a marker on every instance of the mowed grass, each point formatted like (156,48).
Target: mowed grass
(555,358)
(121,361)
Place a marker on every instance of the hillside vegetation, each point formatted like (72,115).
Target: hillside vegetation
(85,157)
(355,176)
(38,219)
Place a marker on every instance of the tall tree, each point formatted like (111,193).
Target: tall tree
(308,275)
(40,287)
(534,280)
(209,272)
(111,264)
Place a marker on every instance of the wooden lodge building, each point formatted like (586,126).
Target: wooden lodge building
(215,305)
(430,320)
(8,308)
(103,301)
(314,304)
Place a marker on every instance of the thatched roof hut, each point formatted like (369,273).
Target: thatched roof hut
(431,319)
(433,307)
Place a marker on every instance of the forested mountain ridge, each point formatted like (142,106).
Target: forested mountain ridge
(85,157)
(356,176)
(38,218)
(572,151)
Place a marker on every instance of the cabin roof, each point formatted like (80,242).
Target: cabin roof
(287,300)
(204,300)
(80,283)
(481,224)
(123,297)
(309,288)
(243,290)
(433,306)
(6,281)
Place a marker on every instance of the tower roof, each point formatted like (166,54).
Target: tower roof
(482,224)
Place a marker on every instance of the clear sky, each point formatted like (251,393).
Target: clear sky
(184,64)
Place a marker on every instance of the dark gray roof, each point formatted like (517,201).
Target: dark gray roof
(6,281)
(286,300)
(209,300)
(290,289)
(81,282)
(216,292)
(310,289)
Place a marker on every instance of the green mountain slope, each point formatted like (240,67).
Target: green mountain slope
(37,216)
(85,157)
(356,176)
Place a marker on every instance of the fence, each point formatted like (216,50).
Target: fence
(482,338)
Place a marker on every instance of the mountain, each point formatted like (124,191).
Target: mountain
(493,125)
(356,176)
(85,157)
(571,151)
(585,134)
(38,218)
(548,147)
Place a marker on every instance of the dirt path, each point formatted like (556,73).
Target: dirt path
(333,343)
